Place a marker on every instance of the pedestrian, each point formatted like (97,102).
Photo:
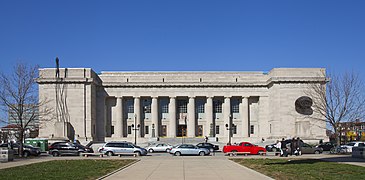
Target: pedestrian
(206,139)
(284,148)
(278,146)
(292,146)
(299,146)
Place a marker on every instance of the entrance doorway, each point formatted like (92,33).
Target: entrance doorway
(181,131)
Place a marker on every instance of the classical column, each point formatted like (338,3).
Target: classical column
(227,114)
(137,115)
(209,117)
(244,117)
(172,114)
(118,129)
(154,114)
(191,117)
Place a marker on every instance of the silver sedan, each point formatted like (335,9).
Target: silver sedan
(188,149)
(161,147)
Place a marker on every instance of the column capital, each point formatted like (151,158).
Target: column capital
(172,97)
(209,97)
(227,97)
(136,97)
(245,97)
(154,97)
(191,97)
(119,97)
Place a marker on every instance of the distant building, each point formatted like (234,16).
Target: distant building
(352,131)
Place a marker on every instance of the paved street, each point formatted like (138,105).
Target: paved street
(186,167)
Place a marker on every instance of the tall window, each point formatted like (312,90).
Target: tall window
(200,105)
(182,106)
(146,130)
(216,129)
(235,106)
(252,129)
(164,105)
(146,105)
(129,129)
(217,106)
(130,105)
(234,129)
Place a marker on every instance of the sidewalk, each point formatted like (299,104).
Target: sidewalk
(186,167)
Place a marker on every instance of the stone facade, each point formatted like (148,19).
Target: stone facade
(107,106)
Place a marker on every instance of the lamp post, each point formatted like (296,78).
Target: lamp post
(135,129)
(229,128)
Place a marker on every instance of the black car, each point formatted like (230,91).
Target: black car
(209,146)
(67,148)
(27,149)
(326,146)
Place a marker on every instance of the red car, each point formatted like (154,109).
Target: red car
(244,147)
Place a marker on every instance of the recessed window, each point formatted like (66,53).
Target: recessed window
(217,106)
(234,129)
(235,105)
(200,103)
(164,105)
(252,129)
(182,106)
(146,130)
(129,129)
(147,106)
(130,105)
(216,129)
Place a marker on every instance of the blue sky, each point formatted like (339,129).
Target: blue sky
(184,35)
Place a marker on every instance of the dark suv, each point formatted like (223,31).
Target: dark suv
(67,148)
(27,149)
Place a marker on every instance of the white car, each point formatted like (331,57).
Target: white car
(160,147)
(189,149)
(350,145)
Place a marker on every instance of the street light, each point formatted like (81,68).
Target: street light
(135,129)
(229,128)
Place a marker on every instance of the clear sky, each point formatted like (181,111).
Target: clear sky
(184,35)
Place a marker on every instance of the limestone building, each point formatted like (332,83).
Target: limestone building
(113,105)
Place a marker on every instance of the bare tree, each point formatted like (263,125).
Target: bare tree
(341,99)
(19,95)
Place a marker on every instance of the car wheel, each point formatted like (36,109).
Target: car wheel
(201,153)
(317,152)
(138,153)
(55,153)
(177,153)
(26,153)
(150,150)
(260,152)
(109,153)
(274,150)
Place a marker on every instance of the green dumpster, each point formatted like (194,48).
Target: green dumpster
(42,143)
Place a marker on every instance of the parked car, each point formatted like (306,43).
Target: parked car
(308,149)
(27,149)
(326,146)
(114,147)
(67,148)
(95,146)
(350,145)
(209,146)
(160,147)
(244,147)
(188,149)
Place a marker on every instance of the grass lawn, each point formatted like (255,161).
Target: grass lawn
(303,169)
(64,169)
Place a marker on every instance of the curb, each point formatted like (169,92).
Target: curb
(115,171)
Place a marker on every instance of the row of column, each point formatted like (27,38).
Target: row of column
(191,125)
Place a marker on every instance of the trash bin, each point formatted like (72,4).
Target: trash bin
(42,143)
(6,155)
